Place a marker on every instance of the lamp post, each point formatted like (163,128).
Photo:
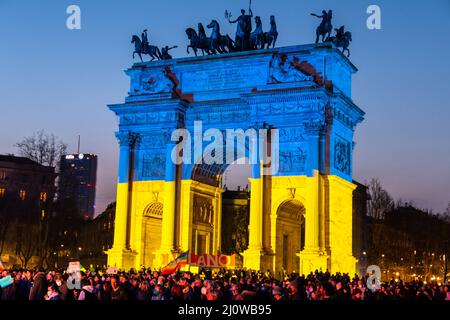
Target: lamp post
(445,261)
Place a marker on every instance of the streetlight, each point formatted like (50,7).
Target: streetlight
(445,261)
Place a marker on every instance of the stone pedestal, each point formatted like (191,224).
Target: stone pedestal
(257,259)
(312,260)
(124,259)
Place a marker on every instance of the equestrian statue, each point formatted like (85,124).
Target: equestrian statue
(141,46)
(342,39)
(325,27)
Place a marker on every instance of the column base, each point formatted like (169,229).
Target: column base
(123,259)
(257,259)
(163,257)
(343,263)
(312,260)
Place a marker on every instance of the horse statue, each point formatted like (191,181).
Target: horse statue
(204,44)
(342,40)
(222,43)
(201,31)
(144,48)
(270,38)
(325,27)
(259,39)
(257,36)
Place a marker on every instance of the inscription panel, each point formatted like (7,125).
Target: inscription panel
(224,78)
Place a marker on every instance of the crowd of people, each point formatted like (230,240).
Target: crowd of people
(225,285)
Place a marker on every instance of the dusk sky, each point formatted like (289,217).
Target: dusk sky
(61,80)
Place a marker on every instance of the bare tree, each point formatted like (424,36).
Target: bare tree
(7,207)
(447,213)
(27,242)
(381,201)
(46,150)
(42,148)
(4,225)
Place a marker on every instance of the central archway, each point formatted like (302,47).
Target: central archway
(290,235)
(207,191)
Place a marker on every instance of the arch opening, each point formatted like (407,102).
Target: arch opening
(290,234)
(151,232)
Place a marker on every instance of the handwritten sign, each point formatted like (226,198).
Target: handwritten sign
(112,270)
(5,282)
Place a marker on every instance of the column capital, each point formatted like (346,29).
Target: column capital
(314,127)
(128,138)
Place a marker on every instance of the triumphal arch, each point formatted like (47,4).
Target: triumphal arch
(300,214)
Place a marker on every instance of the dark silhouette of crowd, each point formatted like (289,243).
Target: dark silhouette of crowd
(225,285)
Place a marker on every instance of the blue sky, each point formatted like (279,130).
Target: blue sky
(62,80)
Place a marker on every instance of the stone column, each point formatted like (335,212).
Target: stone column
(267,188)
(313,256)
(163,254)
(256,217)
(254,255)
(312,228)
(120,230)
(185,214)
(119,255)
(314,129)
(217,228)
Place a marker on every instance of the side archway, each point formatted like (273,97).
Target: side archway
(290,235)
(151,232)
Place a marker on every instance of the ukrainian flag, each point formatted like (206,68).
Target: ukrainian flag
(176,264)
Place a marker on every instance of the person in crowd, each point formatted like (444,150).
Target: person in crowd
(158,294)
(39,288)
(144,293)
(277,294)
(87,291)
(8,293)
(117,293)
(188,292)
(52,293)
(294,293)
(61,282)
